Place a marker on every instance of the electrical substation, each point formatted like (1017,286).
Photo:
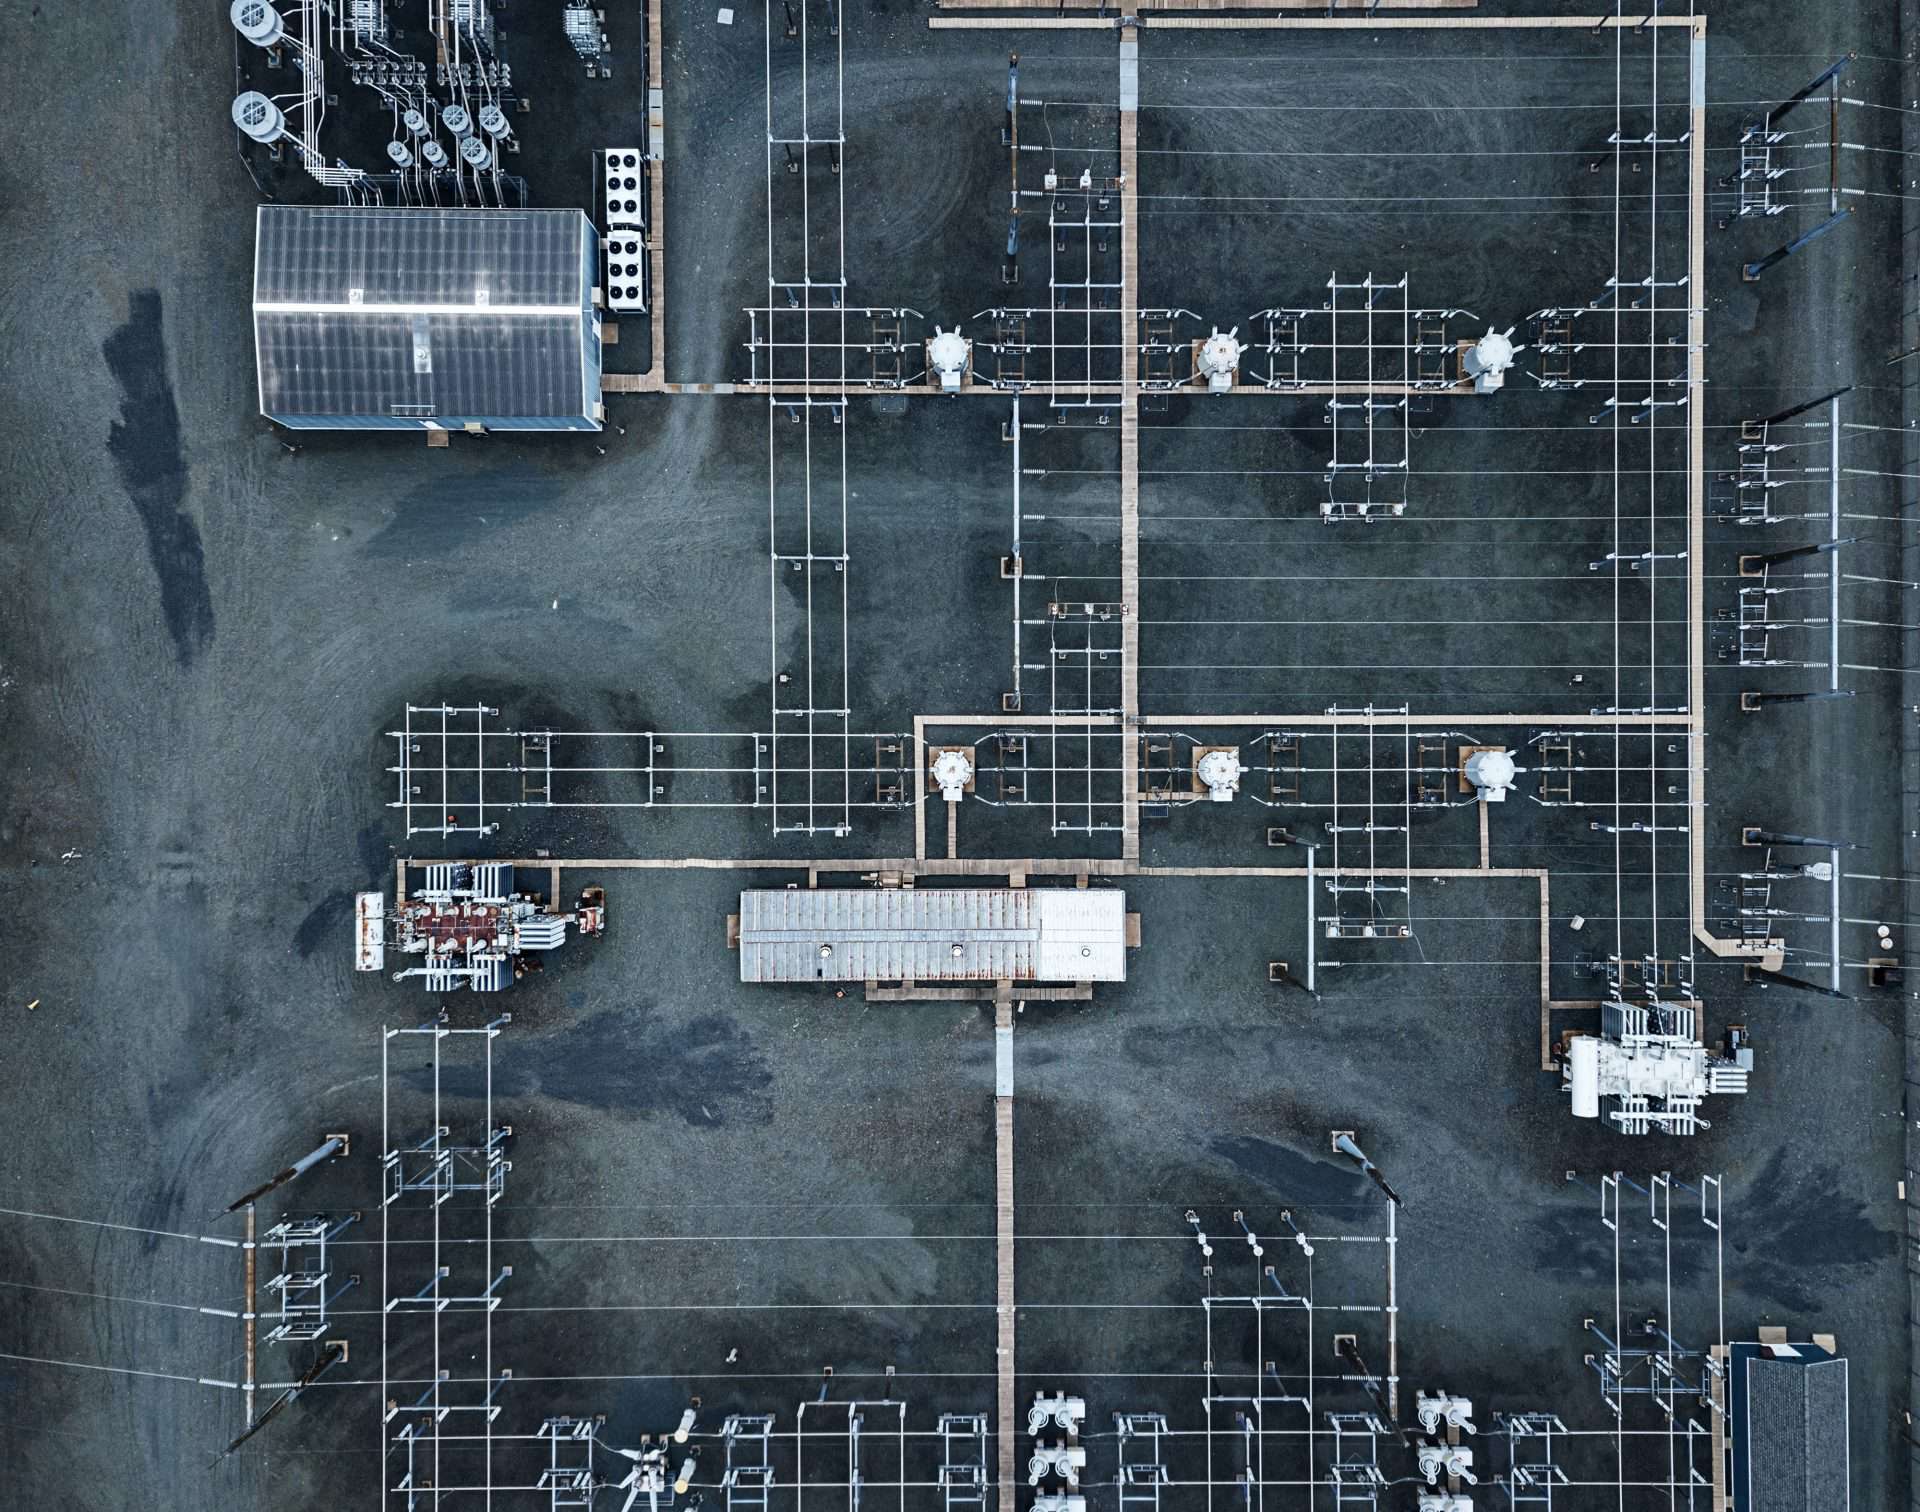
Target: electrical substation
(964,756)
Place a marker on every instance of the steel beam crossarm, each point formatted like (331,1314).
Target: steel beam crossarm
(331,1146)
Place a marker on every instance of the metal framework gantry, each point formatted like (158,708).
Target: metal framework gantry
(1665,1440)
(437,1208)
(1770,152)
(1648,381)
(1078,698)
(1642,1359)
(304,1281)
(809,783)
(1369,351)
(456,771)
(1277,1423)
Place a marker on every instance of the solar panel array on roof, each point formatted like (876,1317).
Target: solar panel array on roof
(392,318)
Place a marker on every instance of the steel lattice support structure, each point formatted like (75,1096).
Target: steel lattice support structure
(437,1263)
(1665,1439)
(457,772)
(1368,350)
(810,756)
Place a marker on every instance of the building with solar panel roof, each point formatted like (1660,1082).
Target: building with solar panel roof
(410,319)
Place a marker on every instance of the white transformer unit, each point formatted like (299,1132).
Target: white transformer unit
(626,272)
(1490,772)
(1217,360)
(468,925)
(952,772)
(582,26)
(948,354)
(367,20)
(1487,360)
(370,931)
(623,194)
(475,18)
(1218,770)
(1652,1067)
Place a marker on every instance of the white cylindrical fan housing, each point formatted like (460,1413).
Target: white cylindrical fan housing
(258,22)
(259,117)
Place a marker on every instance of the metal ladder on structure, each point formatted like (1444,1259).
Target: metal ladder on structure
(1555,346)
(747,1479)
(1354,1469)
(568,1477)
(1555,785)
(1530,1481)
(1156,350)
(1755,624)
(536,767)
(889,782)
(1010,348)
(1756,904)
(1756,174)
(1283,768)
(963,1461)
(1753,480)
(1377,924)
(1143,1469)
(1283,350)
(1430,771)
(885,349)
(304,1279)
(1434,356)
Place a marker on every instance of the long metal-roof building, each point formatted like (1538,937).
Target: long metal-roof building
(929,934)
(404,319)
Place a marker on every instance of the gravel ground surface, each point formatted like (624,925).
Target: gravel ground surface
(719,1191)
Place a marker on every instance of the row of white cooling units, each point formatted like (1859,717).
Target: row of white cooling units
(623,205)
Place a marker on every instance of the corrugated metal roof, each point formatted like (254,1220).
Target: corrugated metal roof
(933,935)
(423,314)
(1790,1431)
(316,253)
